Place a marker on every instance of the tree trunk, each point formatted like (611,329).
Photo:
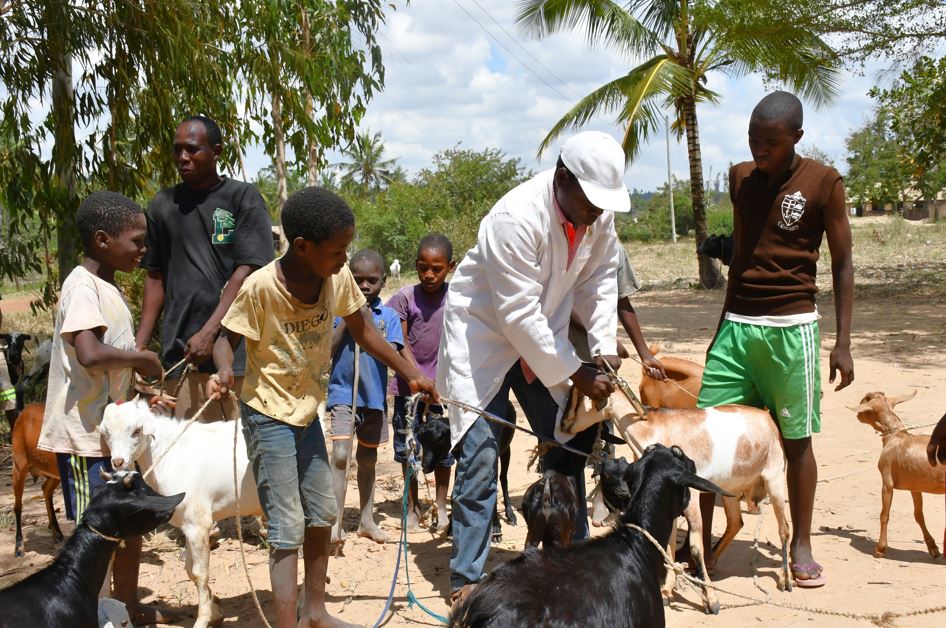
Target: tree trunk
(313,162)
(280,165)
(64,139)
(710,277)
(238,143)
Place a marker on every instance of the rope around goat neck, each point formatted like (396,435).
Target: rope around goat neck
(884,620)
(190,421)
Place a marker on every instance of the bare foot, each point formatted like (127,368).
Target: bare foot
(324,620)
(373,532)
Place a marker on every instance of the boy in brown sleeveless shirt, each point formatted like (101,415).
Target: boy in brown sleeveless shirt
(765,352)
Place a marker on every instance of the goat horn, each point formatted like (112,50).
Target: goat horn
(900,399)
(864,407)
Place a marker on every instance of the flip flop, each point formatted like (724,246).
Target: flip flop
(807,568)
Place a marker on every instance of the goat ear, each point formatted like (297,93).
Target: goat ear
(901,398)
(701,484)
(612,439)
(864,407)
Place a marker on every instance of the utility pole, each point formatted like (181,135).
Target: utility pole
(673,220)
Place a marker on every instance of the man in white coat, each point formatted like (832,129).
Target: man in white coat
(547,249)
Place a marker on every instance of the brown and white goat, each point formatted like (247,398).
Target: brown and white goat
(733,446)
(28,460)
(903,464)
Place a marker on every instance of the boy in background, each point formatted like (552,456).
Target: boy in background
(370,417)
(765,353)
(285,312)
(93,356)
(420,308)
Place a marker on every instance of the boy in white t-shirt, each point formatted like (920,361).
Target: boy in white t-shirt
(92,361)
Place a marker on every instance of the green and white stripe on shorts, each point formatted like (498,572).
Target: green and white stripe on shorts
(767,367)
(82,487)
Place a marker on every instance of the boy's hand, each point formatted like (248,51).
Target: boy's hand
(149,364)
(613,360)
(841,361)
(655,370)
(592,383)
(200,346)
(220,384)
(420,383)
(936,450)
(623,353)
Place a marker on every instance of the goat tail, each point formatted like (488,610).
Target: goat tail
(546,494)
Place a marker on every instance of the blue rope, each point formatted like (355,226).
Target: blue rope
(402,543)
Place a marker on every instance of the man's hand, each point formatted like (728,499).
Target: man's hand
(842,362)
(420,383)
(613,360)
(200,346)
(936,450)
(220,384)
(592,383)
(149,364)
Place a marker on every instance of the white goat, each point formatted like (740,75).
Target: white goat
(395,269)
(200,464)
(903,464)
(732,446)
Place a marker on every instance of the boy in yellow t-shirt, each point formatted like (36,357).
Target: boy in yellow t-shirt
(285,311)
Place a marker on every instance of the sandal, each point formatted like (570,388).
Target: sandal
(809,581)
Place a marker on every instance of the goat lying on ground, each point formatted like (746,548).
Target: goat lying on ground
(611,580)
(200,464)
(434,438)
(66,592)
(28,460)
(903,464)
(733,446)
(550,508)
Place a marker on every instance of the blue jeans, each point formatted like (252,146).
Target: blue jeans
(292,474)
(474,489)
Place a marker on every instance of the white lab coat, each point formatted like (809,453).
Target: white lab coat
(512,297)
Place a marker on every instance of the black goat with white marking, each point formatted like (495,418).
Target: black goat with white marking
(612,580)
(66,592)
(550,508)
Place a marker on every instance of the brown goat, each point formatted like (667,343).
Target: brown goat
(903,464)
(679,390)
(27,459)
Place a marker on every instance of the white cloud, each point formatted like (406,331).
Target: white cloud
(447,82)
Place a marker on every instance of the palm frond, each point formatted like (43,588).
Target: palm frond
(605,23)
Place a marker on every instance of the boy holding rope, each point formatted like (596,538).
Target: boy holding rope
(92,361)
(285,312)
(368,419)
(765,353)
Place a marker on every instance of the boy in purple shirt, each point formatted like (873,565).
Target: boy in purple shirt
(421,310)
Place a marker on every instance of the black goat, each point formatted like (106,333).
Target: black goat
(550,508)
(13,353)
(434,438)
(612,580)
(66,592)
(718,245)
(610,473)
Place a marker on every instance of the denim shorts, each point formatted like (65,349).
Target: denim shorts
(292,474)
(371,426)
(399,423)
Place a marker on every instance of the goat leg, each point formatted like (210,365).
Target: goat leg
(886,496)
(504,459)
(918,515)
(695,522)
(49,486)
(19,480)
(670,580)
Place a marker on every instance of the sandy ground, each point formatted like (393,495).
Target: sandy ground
(899,344)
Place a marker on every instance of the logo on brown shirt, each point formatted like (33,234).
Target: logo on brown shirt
(793,206)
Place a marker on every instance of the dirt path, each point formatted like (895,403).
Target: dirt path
(898,345)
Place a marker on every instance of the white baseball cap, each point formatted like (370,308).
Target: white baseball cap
(597,161)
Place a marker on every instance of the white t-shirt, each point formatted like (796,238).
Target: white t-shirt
(76,397)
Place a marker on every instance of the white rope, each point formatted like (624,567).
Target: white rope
(191,421)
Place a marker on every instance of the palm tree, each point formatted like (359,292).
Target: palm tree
(682,41)
(367,166)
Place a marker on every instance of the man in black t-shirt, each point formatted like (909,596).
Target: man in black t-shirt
(205,236)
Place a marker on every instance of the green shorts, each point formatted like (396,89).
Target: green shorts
(767,367)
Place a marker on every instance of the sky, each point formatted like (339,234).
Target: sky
(459,72)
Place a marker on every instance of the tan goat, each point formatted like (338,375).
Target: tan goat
(679,390)
(903,464)
(732,446)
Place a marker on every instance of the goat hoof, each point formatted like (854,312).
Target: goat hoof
(712,609)
(511,519)
(497,537)
(18,551)
(880,553)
